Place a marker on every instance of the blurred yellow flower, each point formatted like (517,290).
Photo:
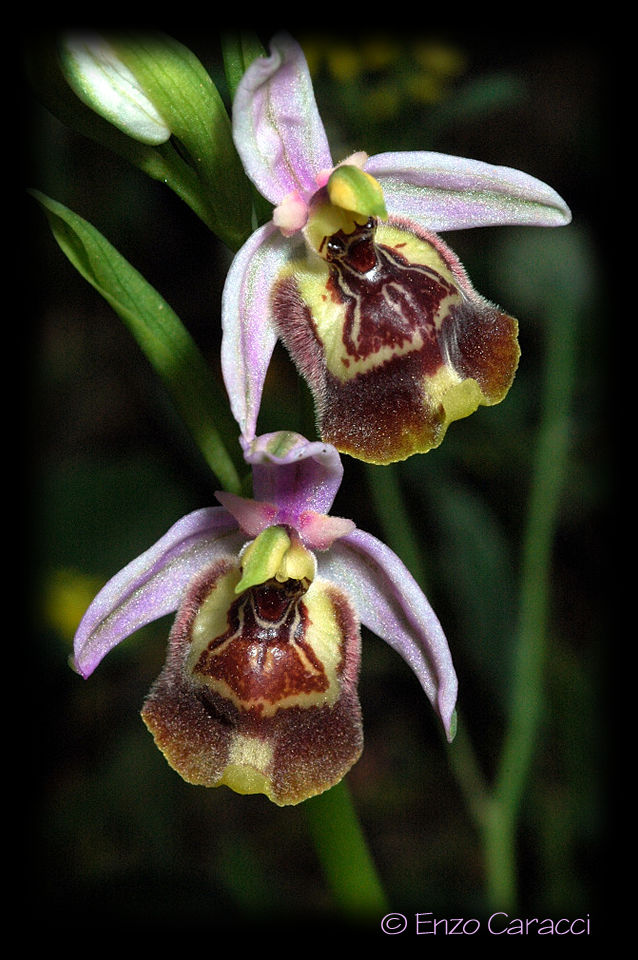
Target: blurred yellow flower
(392,73)
(379,53)
(67,593)
(439,58)
(423,87)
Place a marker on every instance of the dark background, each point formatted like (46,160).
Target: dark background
(115,838)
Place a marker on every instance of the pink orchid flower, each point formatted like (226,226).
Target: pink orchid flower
(259,688)
(376,311)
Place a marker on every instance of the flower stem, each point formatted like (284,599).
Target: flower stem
(394,518)
(344,855)
(526,708)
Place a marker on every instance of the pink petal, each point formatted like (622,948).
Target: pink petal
(252,517)
(319,531)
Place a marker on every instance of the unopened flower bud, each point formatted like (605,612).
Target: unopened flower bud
(102,81)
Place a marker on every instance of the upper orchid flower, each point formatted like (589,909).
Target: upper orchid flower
(259,689)
(377,313)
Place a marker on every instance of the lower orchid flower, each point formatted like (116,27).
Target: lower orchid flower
(376,311)
(259,688)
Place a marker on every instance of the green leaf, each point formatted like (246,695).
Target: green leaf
(158,331)
(199,162)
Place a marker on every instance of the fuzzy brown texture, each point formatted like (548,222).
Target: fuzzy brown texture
(195,727)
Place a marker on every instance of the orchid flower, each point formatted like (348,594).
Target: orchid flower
(376,311)
(259,688)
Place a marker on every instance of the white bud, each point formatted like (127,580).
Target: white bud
(105,84)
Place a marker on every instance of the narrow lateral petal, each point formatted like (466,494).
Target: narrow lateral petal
(297,474)
(277,129)
(319,531)
(252,516)
(248,335)
(441,192)
(259,691)
(391,604)
(152,585)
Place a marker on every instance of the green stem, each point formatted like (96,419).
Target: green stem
(336,831)
(344,855)
(469,776)
(500,821)
(397,526)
